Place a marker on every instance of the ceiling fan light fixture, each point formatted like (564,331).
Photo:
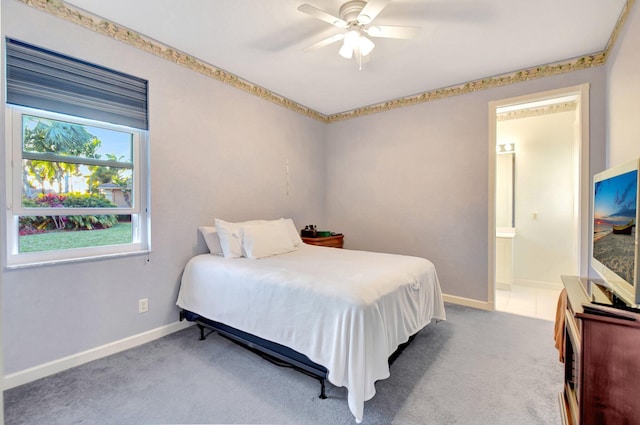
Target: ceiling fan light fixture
(355,41)
(351,40)
(346,51)
(365,45)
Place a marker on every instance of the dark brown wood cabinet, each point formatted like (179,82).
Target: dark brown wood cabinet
(336,241)
(602,360)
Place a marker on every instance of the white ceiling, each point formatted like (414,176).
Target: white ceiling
(263,41)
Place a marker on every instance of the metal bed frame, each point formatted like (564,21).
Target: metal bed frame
(275,353)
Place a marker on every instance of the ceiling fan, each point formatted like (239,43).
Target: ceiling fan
(356,19)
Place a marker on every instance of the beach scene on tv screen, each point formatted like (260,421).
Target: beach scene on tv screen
(614,230)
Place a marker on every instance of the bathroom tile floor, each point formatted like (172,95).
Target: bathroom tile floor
(539,302)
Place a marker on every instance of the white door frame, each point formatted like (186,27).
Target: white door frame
(582,178)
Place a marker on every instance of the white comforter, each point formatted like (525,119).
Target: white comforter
(346,310)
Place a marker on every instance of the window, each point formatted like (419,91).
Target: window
(77,175)
(77,188)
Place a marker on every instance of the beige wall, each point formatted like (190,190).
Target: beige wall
(415,180)
(623,96)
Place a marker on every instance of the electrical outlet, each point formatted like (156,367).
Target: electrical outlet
(143,305)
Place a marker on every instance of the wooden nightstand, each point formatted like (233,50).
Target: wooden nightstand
(336,241)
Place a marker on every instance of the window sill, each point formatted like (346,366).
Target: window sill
(96,257)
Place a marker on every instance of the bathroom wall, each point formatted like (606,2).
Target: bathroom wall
(544,245)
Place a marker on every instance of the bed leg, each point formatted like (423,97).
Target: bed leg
(201,332)
(322,393)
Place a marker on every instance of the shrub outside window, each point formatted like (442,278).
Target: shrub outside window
(77,187)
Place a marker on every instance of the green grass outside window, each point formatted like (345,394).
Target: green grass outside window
(120,233)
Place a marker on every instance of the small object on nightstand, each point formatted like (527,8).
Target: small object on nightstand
(309,231)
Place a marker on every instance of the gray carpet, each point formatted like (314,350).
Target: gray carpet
(478,367)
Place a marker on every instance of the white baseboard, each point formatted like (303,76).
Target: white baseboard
(483,305)
(28,375)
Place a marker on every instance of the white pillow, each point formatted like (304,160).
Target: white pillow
(293,231)
(231,237)
(266,239)
(211,238)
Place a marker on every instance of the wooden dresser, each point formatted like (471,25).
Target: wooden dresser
(602,359)
(336,241)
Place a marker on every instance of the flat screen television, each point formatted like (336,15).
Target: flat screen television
(615,239)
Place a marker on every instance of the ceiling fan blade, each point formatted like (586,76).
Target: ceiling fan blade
(322,15)
(390,31)
(325,42)
(371,10)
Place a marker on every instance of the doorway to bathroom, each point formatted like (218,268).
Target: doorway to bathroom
(537,161)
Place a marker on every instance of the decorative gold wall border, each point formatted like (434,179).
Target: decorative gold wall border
(536,112)
(619,25)
(80,17)
(473,86)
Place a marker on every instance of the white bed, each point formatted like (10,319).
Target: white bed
(345,310)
